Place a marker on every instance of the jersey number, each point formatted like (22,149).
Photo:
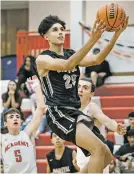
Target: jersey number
(70,80)
(18,156)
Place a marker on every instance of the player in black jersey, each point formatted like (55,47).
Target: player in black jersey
(59,72)
(61,159)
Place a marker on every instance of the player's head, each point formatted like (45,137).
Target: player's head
(86,89)
(53,30)
(131,119)
(29,60)
(130,137)
(56,140)
(12,119)
(12,85)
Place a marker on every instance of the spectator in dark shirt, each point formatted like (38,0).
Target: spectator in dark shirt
(125,154)
(62,159)
(131,123)
(98,73)
(26,71)
(126,150)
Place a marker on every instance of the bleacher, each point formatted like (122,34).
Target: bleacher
(116,100)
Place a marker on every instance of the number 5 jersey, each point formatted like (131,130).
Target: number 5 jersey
(18,153)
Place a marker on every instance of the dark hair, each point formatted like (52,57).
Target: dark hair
(11,111)
(22,68)
(47,23)
(130,132)
(9,83)
(32,59)
(89,80)
(131,114)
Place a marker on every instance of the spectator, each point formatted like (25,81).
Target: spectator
(125,154)
(131,123)
(98,73)
(62,159)
(25,72)
(12,98)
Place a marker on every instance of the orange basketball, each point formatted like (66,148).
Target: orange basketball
(113,15)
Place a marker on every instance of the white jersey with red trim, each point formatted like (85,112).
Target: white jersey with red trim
(18,153)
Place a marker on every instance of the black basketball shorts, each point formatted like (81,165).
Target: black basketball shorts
(63,121)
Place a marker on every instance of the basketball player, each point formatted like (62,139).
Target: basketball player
(62,158)
(18,152)
(59,72)
(86,90)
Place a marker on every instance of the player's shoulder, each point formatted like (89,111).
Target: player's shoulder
(93,106)
(45,52)
(24,133)
(69,149)
(3,137)
(46,55)
(50,154)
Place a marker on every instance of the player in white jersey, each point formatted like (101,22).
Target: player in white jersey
(86,91)
(17,148)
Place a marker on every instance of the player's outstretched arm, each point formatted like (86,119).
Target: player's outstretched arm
(100,57)
(105,120)
(48,63)
(37,117)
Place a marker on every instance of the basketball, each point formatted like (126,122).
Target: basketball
(113,15)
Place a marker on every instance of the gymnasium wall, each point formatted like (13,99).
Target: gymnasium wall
(40,9)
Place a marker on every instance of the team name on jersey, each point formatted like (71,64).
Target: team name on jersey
(18,143)
(69,71)
(62,169)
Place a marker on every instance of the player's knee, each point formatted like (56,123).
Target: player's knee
(100,150)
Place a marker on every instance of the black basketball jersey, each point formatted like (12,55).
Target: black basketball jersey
(61,87)
(64,165)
